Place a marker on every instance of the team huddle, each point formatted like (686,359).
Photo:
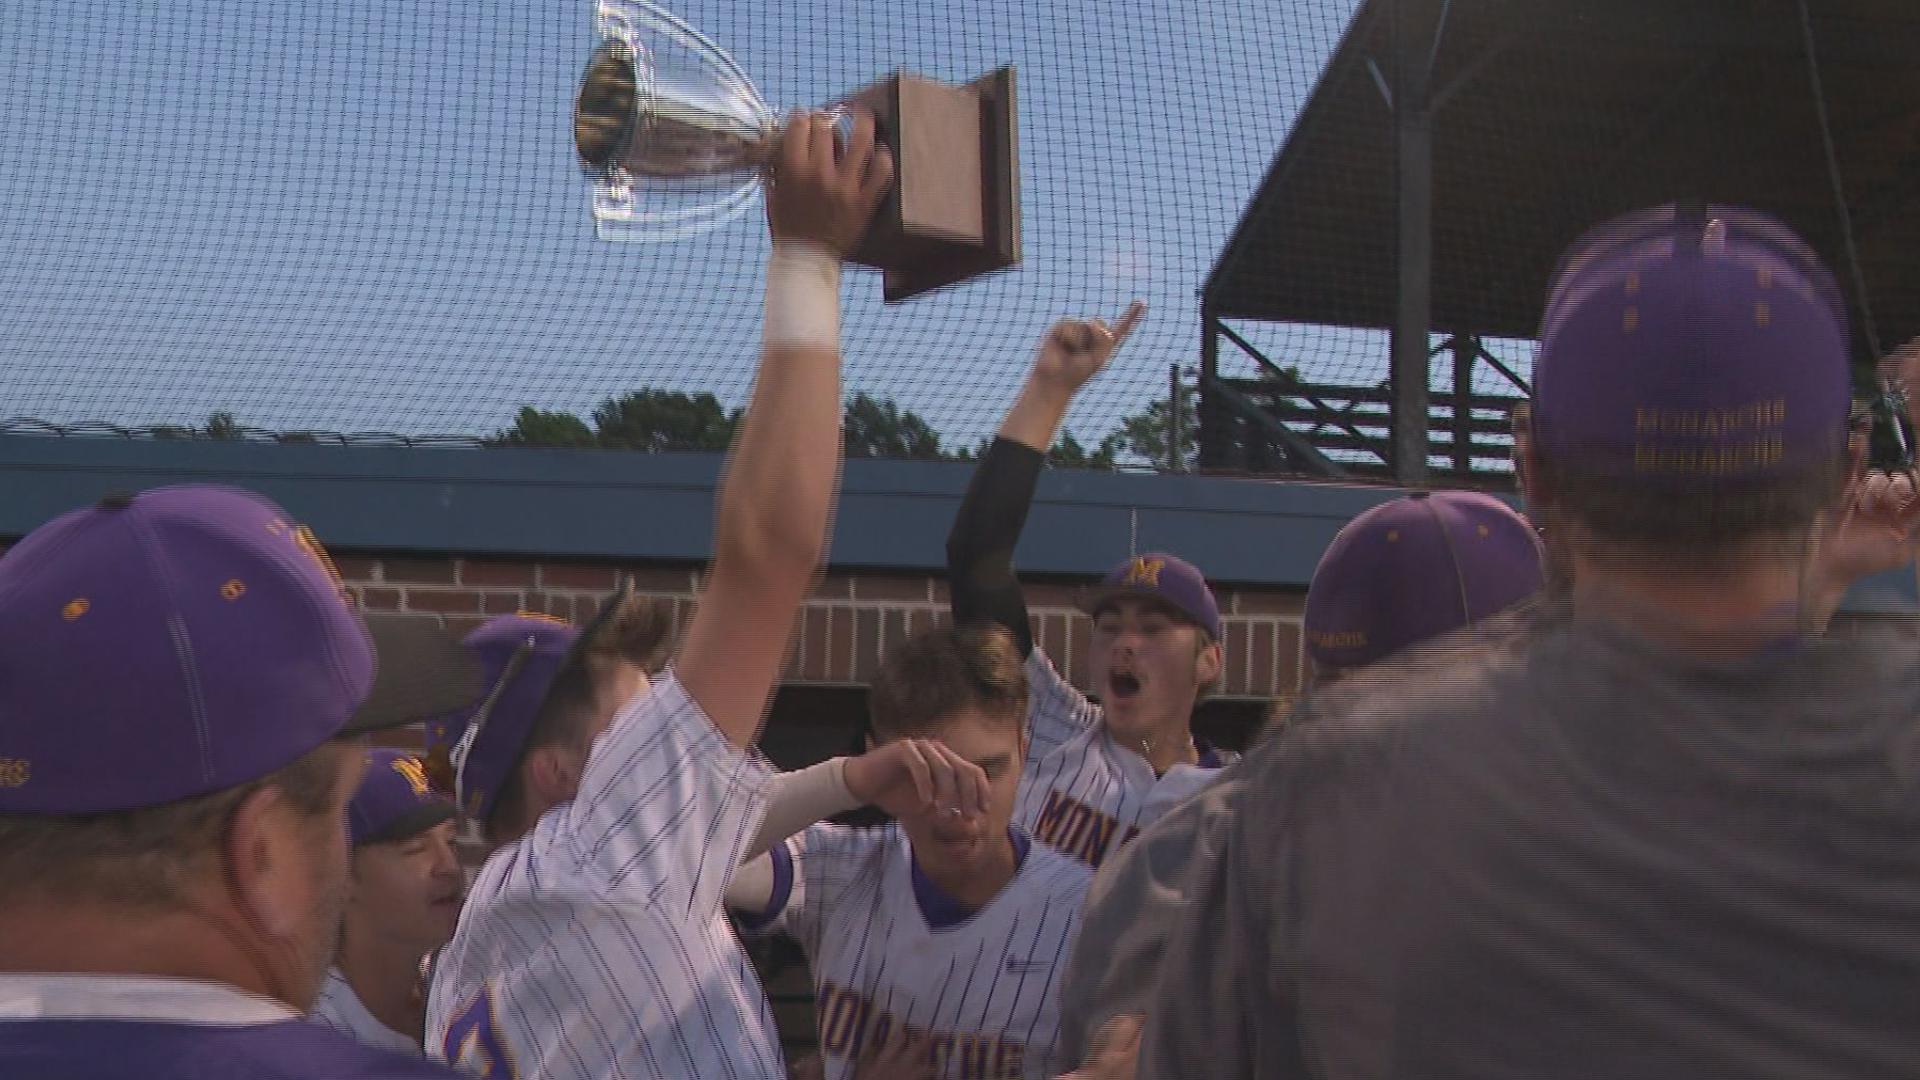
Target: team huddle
(1595,792)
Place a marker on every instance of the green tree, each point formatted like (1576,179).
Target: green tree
(545,427)
(656,420)
(1067,453)
(222,427)
(878,428)
(1144,434)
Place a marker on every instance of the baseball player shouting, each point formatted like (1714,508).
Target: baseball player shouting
(594,945)
(949,928)
(1095,773)
(1400,574)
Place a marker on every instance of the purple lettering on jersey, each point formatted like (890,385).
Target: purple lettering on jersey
(1052,813)
(848,1021)
(1071,827)
(473,1041)
(1099,834)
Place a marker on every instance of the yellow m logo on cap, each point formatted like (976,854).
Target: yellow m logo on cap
(1145,571)
(415,773)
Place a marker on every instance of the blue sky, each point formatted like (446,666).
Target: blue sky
(364,215)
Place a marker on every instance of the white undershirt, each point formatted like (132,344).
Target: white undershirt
(339,1008)
(39,996)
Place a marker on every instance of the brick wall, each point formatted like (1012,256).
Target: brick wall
(848,624)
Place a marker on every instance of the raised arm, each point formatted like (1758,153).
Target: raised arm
(776,494)
(1875,531)
(903,777)
(980,545)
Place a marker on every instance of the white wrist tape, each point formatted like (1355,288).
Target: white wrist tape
(803,296)
(796,800)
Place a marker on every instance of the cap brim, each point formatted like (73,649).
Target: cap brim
(410,824)
(1099,597)
(422,671)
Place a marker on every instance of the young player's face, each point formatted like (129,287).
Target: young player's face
(997,744)
(1148,665)
(408,892)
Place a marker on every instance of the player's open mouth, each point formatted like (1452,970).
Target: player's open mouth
(1123,684)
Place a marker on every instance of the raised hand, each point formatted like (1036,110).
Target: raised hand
(909,776)
(1075,350)
(1876,530)
(819,196)
(1115,1053)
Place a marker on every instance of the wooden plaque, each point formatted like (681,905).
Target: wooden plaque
(954,211)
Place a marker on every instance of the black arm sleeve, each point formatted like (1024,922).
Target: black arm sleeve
(980,547)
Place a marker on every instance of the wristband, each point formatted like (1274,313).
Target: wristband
(803,296)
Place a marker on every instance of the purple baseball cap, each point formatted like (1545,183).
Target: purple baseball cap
(1415,568)
(1169,579)
(521,655)
(1682,347)
(186,640)
(395,800)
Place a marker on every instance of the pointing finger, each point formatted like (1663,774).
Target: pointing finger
(1135,312)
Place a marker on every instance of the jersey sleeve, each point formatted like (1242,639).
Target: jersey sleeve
(824,861)
(1056,711)
(667,807)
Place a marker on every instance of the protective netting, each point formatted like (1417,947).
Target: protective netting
(350,215)
(362,216)
(1511,128)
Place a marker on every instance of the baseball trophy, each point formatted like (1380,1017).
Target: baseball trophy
(675,140)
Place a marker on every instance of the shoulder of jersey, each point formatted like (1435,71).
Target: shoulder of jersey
(854,854)
(1058,874)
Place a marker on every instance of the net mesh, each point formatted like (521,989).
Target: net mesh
(350,216)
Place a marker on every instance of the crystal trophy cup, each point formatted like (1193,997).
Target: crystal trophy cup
(676,140)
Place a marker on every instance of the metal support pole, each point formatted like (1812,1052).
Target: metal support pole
(1413,141)
(1466,349)
(1211,413)
(1176,461)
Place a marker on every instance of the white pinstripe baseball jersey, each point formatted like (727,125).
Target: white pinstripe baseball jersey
(1081,792)
(886,951)
(339,1008)
(595,947)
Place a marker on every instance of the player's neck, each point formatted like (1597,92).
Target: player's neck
(1164,745)
(80,939)
(974,882)
(1744,608)
(386,979)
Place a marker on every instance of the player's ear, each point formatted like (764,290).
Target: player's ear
(275,869)
(1207,663)
(1534,493)
(553,772)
